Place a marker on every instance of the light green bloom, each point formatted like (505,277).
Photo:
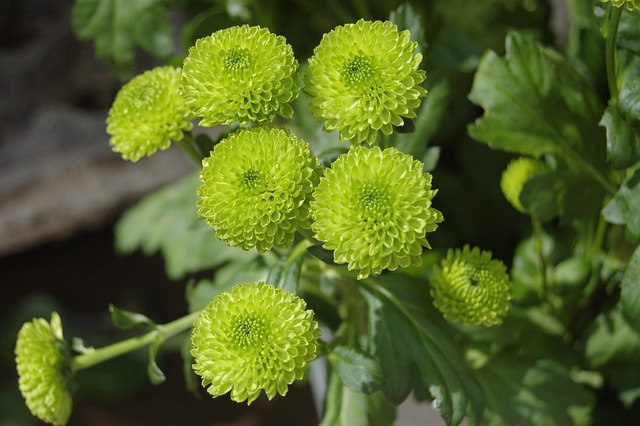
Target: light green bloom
(242,74)
(517,173)
(256,187)
(472,288)
(257,337)
(147,114)
(363,79)
(44,373)
(373,208)
(630,4)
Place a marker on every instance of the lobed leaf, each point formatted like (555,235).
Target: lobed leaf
(416,347)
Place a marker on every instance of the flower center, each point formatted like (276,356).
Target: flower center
(237,59)
(374,201)
(358,71)
(248,330)
(250,179)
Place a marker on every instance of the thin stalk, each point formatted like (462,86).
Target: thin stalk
(539,243)
(114,350)
(613,23)
(187,144)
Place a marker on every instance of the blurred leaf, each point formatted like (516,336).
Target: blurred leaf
(321,253)
(414,343)
(431,114)
(630,287)
(623,142)
(167,220)
(346,407)
(406,18)
(629,100)
(611,339)
(540,195)
(629,32)
(119,26)
(156,376)
(191,379)
(624,207)
(532,393)
(126,319)
(358,371)
(535,103)
(285,272)
(199,295)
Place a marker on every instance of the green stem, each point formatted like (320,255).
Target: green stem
(613,22)
(539,242)
(114,350)
(187,144)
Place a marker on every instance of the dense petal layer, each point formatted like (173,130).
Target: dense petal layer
(373,208)
(147,114)
(257,337)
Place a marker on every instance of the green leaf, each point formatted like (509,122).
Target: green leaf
(126,319)
(406,18)
(624,207)
(156,376)
(414,344)
(321,253)
(541,392)
(167,221)
(629,100)
(623,143)
(611,339)
(199,295)
(535,103)
(119,26)
(346,407)
(630,288)
(285,272)
(540,196)
(358,371)
(191,379)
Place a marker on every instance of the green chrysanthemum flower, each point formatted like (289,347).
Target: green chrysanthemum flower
(147,114)
(258,337)
(630,4)
(44,373)
(517,173)
(373,207)
(472,288)
(363,79)
(256,187)
(242,74)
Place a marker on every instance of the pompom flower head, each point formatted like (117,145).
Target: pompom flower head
(257,337)
(256,188)
(630,4)
(373,208)
(44,372)
(363,79)
(517,173)
(471,288)
(147,114)
(243,73)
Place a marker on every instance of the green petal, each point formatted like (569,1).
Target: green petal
(373,208)
(243,73)
(278,337)
(363,78)
(147,114)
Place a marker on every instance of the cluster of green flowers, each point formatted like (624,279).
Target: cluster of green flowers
(372,207)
